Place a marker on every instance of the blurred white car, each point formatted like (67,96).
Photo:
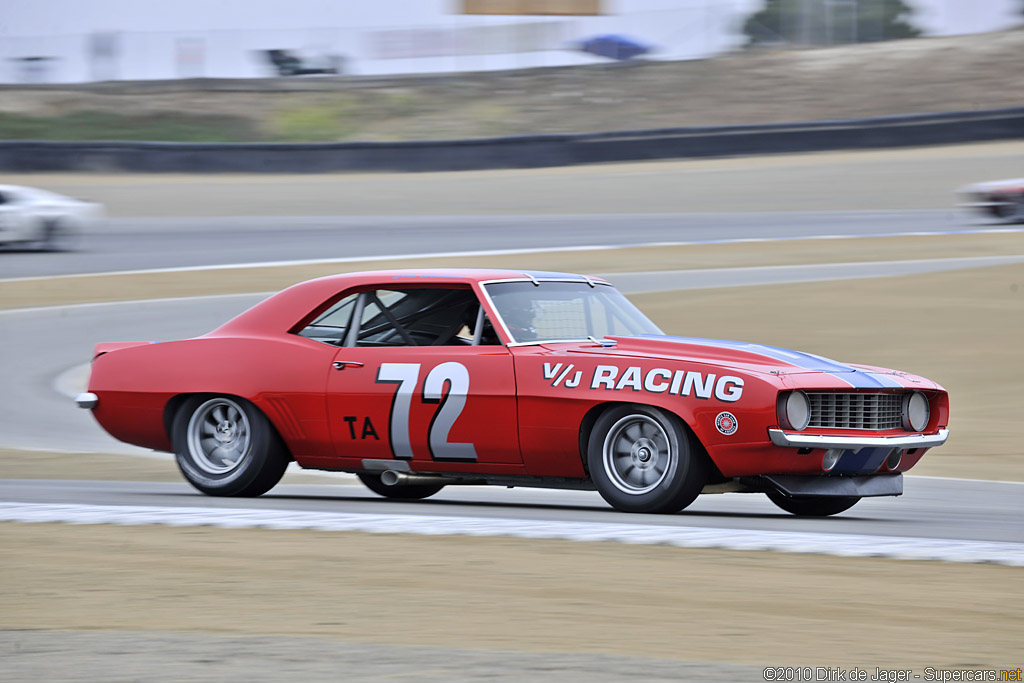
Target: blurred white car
(44,219)
(1000,198)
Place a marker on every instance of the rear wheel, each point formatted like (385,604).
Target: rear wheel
(1013,208)
(226,447)
(812,506)
(643,459)
(398,491)
(1018,213)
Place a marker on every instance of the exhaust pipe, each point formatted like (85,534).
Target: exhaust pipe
(394,478)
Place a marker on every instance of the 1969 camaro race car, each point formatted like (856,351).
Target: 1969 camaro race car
(414,380)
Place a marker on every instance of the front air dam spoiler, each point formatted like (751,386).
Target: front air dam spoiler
(825,486)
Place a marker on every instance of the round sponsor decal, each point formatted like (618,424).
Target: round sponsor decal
(726,423)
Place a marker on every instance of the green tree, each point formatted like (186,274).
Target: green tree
(830,22)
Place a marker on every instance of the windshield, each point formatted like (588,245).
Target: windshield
(562,311)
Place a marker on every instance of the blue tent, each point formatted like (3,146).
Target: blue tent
(614,46)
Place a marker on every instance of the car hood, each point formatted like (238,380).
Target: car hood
(755,358)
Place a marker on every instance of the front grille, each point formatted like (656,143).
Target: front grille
(856,411)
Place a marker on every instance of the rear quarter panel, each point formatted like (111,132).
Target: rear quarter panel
(284,376)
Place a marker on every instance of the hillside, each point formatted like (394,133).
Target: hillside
(754,86)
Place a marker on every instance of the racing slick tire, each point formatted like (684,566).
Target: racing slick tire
(225,446)
(643,459)
(398,491)
(812,506)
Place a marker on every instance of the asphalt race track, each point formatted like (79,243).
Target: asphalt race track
(38,414)
(930,508)
(149,243)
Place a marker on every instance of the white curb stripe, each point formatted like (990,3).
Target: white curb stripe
(843,545)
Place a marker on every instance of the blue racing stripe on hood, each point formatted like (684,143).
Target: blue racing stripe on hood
(858,379)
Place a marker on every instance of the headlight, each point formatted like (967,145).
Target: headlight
(794,410)
(915,412)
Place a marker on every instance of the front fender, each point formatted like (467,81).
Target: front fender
(556,391)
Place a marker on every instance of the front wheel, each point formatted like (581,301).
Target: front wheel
(398,491)
(58,236)
(812,506)
(226,447)
(643,459)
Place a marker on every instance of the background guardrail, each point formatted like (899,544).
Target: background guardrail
(532,151)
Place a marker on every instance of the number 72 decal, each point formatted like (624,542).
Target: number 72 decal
(405,375)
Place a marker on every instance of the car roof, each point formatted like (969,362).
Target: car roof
(35,192)
(453,275)
(284,308)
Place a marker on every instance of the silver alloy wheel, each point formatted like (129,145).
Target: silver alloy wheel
(218,436)
(637,454)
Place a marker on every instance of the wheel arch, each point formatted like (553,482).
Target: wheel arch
(176,402)
(590,419)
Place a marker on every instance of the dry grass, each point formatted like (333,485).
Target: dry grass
(511,594)
(897,77)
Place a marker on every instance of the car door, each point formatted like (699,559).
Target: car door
(416,381)
(11,220)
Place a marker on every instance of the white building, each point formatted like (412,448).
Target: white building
(68,41)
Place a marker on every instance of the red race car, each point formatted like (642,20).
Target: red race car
(414,380)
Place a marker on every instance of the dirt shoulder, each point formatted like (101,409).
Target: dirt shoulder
(860,180)
(78,289)
(511,594)
(748,87)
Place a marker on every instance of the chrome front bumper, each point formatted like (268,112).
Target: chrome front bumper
(855,443)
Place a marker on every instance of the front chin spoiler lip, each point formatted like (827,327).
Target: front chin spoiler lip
(792,440)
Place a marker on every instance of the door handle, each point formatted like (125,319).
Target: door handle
(340,364)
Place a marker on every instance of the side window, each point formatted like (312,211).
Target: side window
(404,317)
(419,317)
(331,327)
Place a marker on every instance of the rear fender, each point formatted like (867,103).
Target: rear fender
(107,347)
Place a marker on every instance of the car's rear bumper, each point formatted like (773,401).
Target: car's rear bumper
(854,443)
(87,400)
